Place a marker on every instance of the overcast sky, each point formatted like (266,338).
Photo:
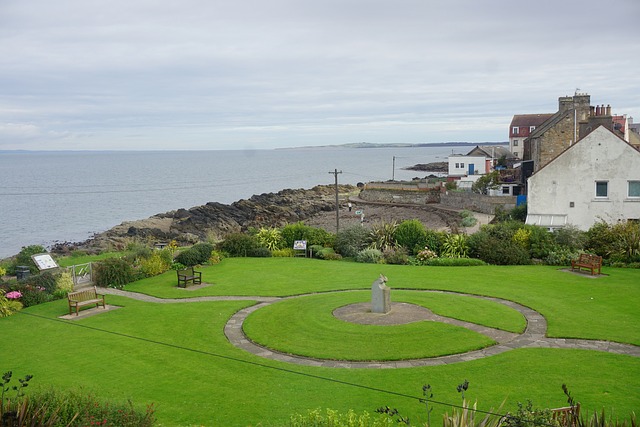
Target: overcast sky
(250,74)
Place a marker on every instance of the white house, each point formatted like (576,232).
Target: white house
(461,165)
(597,178)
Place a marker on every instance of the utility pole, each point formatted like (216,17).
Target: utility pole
(393,170)
(335,174)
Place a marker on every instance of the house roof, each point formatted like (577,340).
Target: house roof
(527,120)
(492,151)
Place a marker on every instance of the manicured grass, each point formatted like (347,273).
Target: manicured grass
(305,326)
(176,355)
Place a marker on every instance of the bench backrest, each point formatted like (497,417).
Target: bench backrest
(83,295)
(590,259)
(186,272)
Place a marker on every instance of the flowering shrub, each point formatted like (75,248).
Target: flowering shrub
(8,306)
(14,295)
(426,254)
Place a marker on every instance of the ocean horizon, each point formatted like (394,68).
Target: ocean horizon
(49,197)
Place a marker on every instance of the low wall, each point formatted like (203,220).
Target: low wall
(477,202)
(411,196)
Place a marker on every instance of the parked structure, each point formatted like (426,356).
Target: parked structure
(597,178)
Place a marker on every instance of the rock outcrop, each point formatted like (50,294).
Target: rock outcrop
(217,220)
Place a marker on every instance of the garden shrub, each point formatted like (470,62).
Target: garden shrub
(570,237)
(468,219)
(453,262)
(64,284)
(332,257)
(215,257)
(324,252)
(541,242)
(369,256)
(351,240)
(455,246)
(411,234)
(396,256)
(501,252)
(153,265)
(332,418)
(315,250)
(32,295)
(237,245)
(113,273)
(203,250)
(424,255)
(24,258)
(283,253)
(270,238)
(298,231)
(188,258)
(561,256)
(260,252)
(601,240)
(433,240)
(8,306)
(627,239)
(382,235)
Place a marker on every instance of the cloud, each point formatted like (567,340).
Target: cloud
(212,74)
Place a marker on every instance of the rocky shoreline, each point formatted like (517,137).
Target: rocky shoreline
(315,206)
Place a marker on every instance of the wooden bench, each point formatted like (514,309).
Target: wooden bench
(189,275)
(589,261)
(84,297)
(568,416)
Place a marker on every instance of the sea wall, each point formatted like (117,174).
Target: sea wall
(410,196)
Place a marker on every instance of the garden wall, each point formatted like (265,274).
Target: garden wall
(477,202)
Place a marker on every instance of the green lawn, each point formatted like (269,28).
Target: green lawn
(176,355)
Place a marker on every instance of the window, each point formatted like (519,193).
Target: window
(634,189)
(506,190)
(532,128)
(515,142)
(462,165)
(515,130)
(457,165)
(602,188)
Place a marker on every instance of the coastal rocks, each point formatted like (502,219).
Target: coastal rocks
(441,167)
(215,220)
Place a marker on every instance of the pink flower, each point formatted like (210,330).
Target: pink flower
(14,295)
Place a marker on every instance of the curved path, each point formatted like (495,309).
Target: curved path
(534,335)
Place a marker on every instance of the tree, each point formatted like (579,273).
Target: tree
(487,182)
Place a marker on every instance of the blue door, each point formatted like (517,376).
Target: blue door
(471,169)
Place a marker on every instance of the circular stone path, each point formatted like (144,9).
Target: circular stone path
(534,335)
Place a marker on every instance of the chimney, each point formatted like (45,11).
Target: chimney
(608,110)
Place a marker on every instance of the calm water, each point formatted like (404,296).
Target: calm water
(67,196)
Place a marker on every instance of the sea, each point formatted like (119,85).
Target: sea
(68,196)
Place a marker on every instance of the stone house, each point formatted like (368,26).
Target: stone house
(574,119)
(597,178)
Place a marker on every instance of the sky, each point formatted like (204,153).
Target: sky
(261,74)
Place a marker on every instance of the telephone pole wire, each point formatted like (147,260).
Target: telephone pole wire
(335,174)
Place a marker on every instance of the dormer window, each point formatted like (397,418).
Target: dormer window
(515,130)
(532,128)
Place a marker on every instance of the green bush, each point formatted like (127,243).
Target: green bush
(238,245)
(78,408)
(283,253)
(324,252)
(433,241)
(154,265)
(411,234)
(270,238)
(188,258)
(332,257)
(601,240)
(455,246)
(113,273)
(350,241)
(331,418)
(369,256)
(453,262)
(24,258)
(570,237)
(500,252)
(382,235)
(260,252)
(561,256)
(298,231)
(397,256)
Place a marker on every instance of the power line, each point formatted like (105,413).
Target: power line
(276,368)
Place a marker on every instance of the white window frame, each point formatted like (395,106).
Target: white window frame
(515,142)
(532,128)
(515,130)
(606,183)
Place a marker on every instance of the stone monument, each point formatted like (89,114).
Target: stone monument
(380,296)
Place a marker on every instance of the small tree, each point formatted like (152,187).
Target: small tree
(487,182)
